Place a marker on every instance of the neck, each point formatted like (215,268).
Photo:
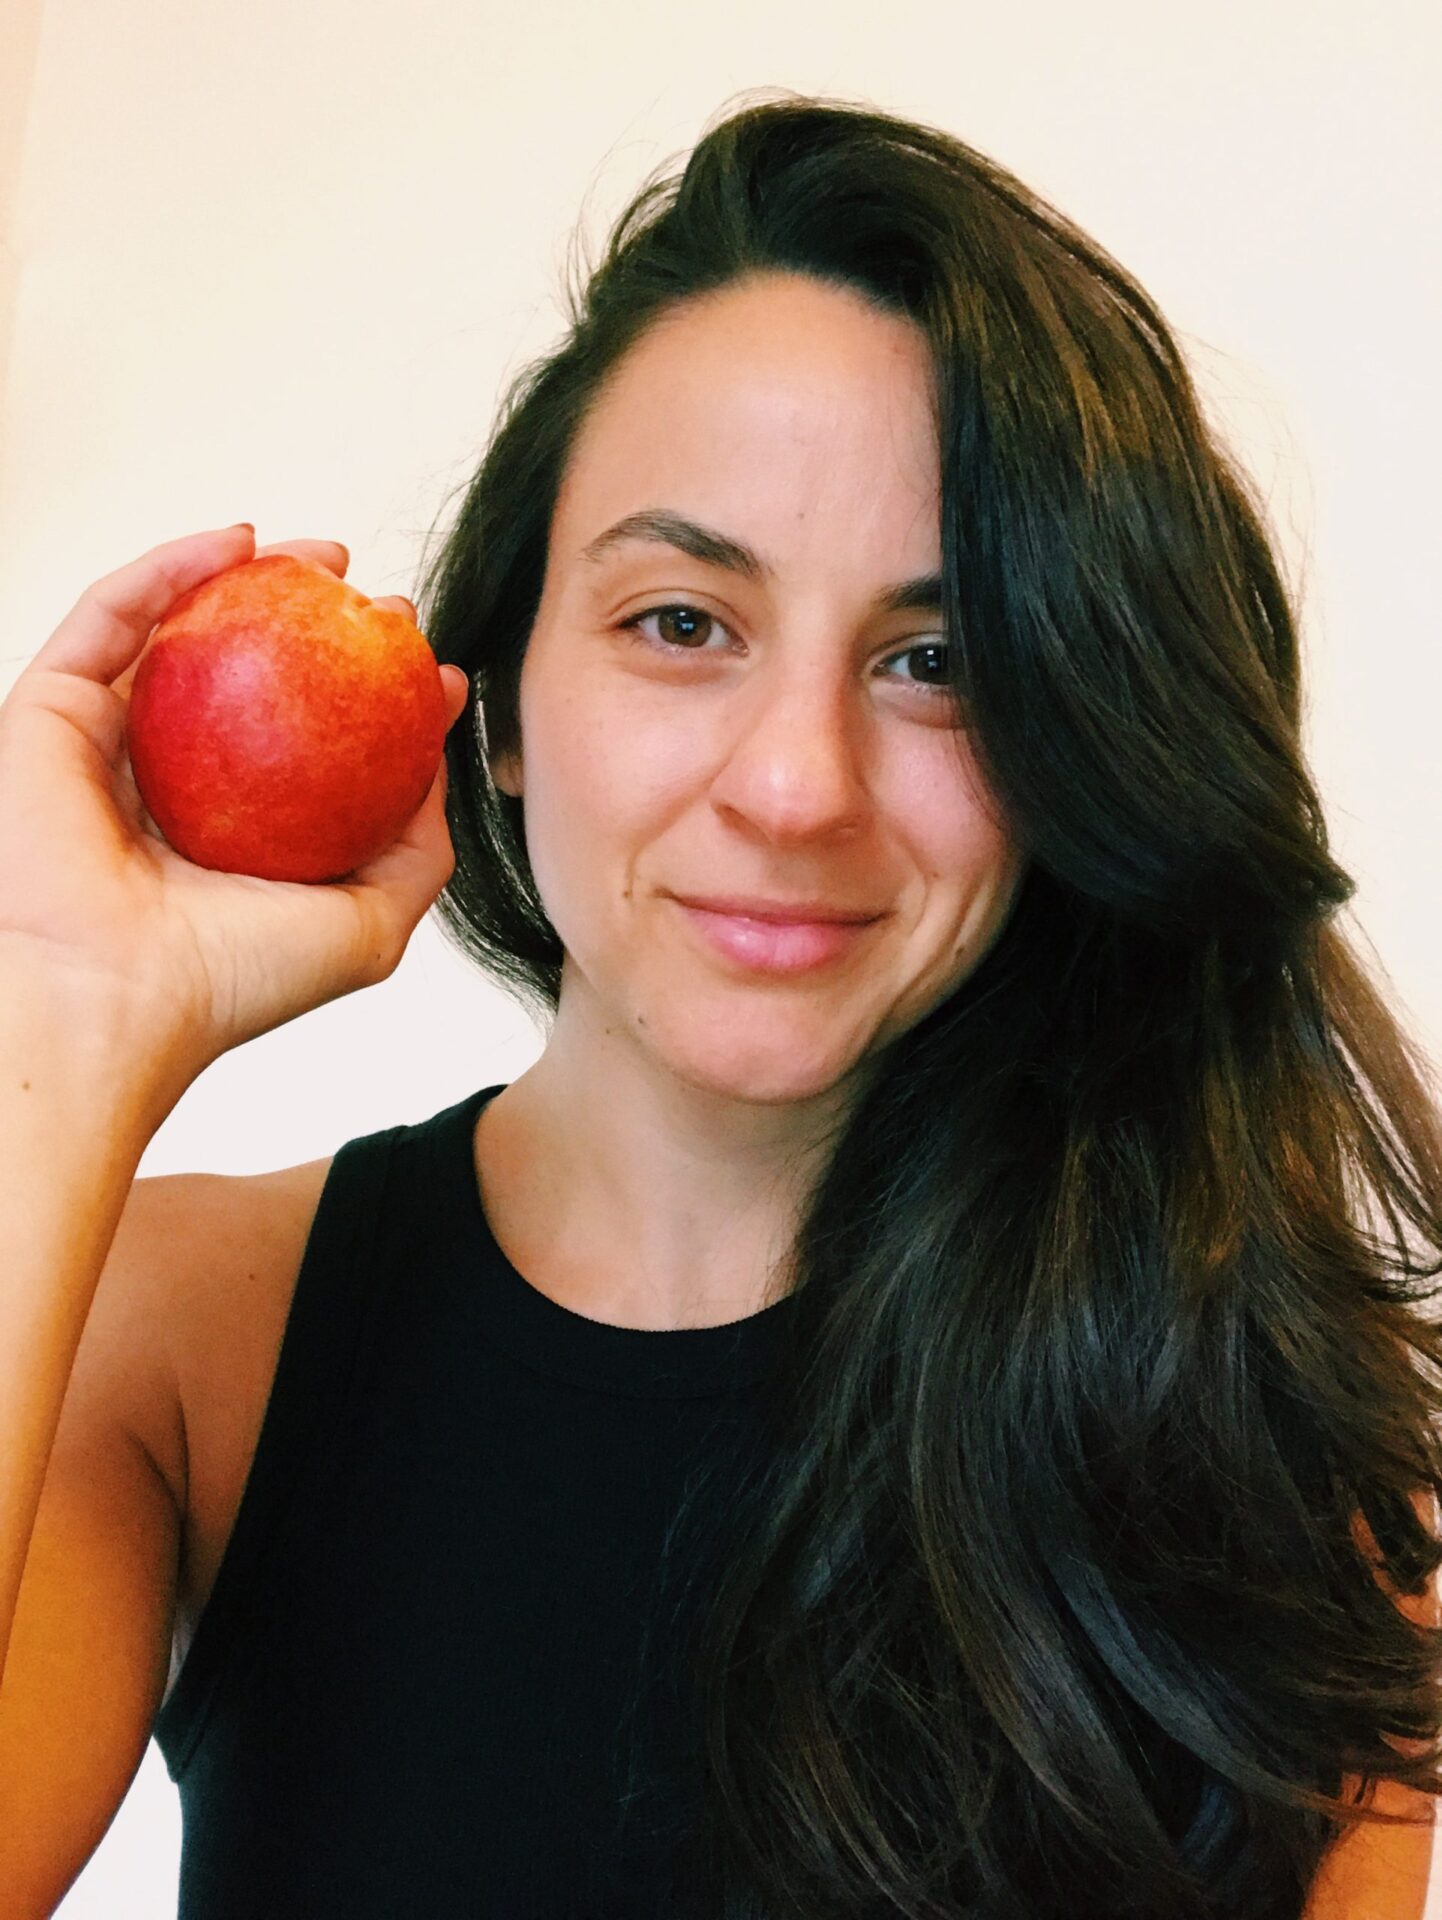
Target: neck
(641,1199)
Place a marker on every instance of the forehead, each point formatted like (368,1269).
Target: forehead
(777,400)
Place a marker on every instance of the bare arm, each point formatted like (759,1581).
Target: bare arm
(89,1529)
(75,1117)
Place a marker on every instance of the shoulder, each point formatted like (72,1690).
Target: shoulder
(1374,1868)
(1379,1870)
(200,1267)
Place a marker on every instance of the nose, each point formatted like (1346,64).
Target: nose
(796,765)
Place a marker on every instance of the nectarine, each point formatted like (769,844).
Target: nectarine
(282,725)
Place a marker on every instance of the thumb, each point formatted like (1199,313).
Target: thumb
(458,692)
(398,886)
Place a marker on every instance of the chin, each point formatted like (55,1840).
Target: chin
(772,1075)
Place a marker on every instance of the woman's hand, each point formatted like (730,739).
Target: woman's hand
(100,910)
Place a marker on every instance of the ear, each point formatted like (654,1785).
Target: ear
(506,772)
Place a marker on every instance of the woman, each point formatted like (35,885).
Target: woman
(908,1406)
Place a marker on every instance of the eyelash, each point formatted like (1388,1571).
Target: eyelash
(632,626)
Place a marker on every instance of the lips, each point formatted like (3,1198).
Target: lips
(788,913)
(775,946)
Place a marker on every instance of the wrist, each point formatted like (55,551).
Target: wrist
(91,1044)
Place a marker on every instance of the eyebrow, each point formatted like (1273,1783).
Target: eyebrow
(713,549)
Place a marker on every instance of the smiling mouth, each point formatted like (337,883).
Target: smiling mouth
(775,946)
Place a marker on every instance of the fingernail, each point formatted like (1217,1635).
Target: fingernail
(249,526)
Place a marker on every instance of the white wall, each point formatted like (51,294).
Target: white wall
(18,44)
(275,263)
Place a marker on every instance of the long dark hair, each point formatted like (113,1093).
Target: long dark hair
(1105,1444)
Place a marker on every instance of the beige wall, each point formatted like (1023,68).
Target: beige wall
(19,44)
(276,261)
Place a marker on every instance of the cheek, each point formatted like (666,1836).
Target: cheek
(961,848)
(616,765)
(965,856)
(943,810)
(592,797)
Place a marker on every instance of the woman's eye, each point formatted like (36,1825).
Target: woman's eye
(688,628)
(934,655)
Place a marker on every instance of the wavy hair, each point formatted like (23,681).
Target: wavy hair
(1105,1442)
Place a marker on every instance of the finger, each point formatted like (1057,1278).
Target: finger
(330,553)
(109,623)
(458,693)
(395,889)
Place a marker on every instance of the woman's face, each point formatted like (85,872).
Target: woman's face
(771,735)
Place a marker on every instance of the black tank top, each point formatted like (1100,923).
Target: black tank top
(414,1689)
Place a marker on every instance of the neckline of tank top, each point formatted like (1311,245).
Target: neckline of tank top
(642,1362)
